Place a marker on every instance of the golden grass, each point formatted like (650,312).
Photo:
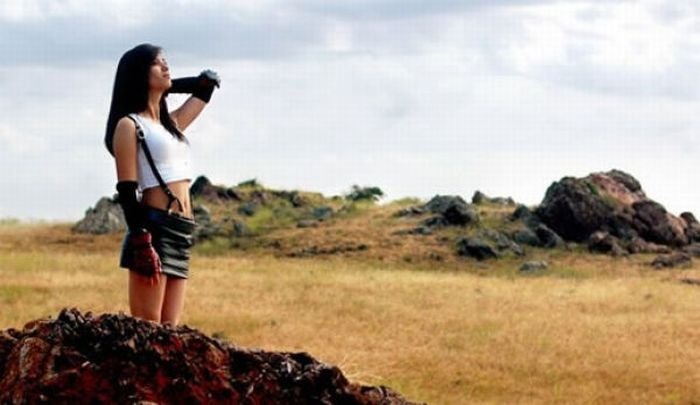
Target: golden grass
(591,329)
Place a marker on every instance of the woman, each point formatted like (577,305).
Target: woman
(152,155)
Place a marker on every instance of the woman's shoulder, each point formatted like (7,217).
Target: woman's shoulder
(125,128)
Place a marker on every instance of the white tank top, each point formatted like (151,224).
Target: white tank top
(170,155)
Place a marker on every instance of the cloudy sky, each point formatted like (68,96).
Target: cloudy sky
(418,97)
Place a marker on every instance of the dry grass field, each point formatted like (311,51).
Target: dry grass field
(590,329)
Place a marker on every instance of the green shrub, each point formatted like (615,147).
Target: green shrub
(358,193)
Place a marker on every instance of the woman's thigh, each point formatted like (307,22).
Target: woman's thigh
(174,300)
(146,300)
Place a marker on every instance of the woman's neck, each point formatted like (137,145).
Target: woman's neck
(153,108)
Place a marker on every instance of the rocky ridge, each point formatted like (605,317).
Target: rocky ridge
(608,212)
(78,358)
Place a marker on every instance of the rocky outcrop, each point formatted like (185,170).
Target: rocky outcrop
(78,358)
(106,217)
(453,210)
(612,202)
(202,187)
(481,198)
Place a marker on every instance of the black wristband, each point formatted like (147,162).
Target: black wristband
(133,211)
(184,85)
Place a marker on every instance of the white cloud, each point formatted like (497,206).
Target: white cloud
(432,97)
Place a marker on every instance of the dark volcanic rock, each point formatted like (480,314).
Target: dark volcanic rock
(613,202)
(693,229)
(548,238)
(639,245)
(481,198)
(656,225)
(526,236)
(573,210)
(202,187)
(501,241)
(603,242)
(676,259)
(453,209)
(77,358)
(476,248)
(106,217)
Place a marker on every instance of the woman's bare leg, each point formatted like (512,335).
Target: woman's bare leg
(146,300)
(174,300)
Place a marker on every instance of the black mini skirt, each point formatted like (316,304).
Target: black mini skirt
(171,238)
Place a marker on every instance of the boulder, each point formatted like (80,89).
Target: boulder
(671,260)
(534,266)
(526,236)
(548,238)
(501,241)
(78,358)
(453,209)
(476,248)
(639,245)
(692,232)
(481,198)
(656,225)
(106,217)
(603,242)
(410,211)
(203,188)
(613,202)
(524,214)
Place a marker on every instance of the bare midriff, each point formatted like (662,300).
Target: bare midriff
(156,197)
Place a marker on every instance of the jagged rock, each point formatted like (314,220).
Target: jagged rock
(78,358)
(202,187)
(548,238)
(453,209)
(676,259)
(639,245)
(534,266)
(481,198)
(603,242)
(296,199)
(106,217)
(524,214)
(476,248)
(199,186)
(501,241)
(656,225)
(410,211)
(526,236)
(613,202)
(692,232)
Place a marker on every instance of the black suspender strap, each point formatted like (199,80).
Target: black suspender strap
(146,151)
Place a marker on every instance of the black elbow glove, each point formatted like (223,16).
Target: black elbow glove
(133,212)
(201,86)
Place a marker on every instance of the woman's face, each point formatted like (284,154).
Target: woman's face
(159,75)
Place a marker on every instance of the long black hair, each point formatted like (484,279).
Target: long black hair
(130,93)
